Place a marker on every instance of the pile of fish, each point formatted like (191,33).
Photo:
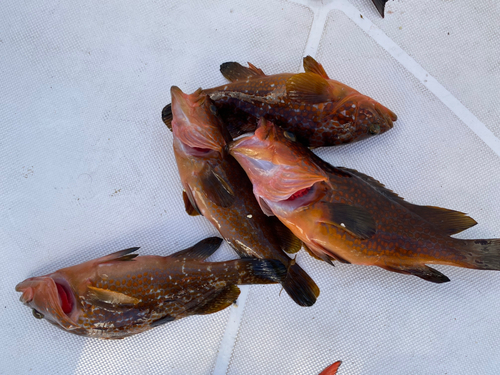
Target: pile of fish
(268,195)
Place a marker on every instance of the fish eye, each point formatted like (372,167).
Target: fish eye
(37,314)
(374,129)
(289,136)
(213,109)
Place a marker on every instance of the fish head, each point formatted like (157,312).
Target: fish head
(51,298)
(196,127)
(279,167)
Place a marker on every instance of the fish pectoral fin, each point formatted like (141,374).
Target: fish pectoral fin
(222,299)
(311,253)
(445,220)
(200,251)
(100,296)
(166,116)
(234,71)
(216,188)
(312,66)
(357,221)
(308,87)
(161,321)
(189,205)
(422,271)
(289,242)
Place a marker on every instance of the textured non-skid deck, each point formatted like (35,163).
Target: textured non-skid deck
(87,168)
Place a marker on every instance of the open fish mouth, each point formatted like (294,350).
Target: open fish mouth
(66,298)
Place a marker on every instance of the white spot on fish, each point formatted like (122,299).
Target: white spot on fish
(354,106)
(342,225)
(209,268)
(249,216)
(225,87)
(272,85)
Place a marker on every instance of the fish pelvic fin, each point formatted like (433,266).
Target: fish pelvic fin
(166,116)
(161,321)
(422,271)
(308,87)
(200,251)
(482,254)
(299,286)
(312,66)
(234,71)
(191,209)
(357,221)
(221,300)
(332,369)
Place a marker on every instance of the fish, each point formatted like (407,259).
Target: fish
(319,111)
(216,187)
(332,369)
(344,215)
(122,294)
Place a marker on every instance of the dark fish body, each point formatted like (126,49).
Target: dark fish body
(341,214)
(216,187)
(123,294)
(319,111)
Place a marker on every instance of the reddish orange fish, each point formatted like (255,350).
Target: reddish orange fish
(344,215)
(123,294)
(332,369)
(318,110)
(218,188)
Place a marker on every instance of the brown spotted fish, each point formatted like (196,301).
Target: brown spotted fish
(122,294)
(216,187)
(318,110)
(341,214)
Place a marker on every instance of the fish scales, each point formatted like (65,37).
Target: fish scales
(342,214)
(217,187)
(120,295)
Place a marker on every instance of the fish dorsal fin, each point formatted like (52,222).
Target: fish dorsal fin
(234,71)
(200,251)
(216,188)
(288,241)
(220,301)
(166,116)
(191,208)
(312,66)
(308,87)
(122,255)
(355,220)
(448,221)
(99,296)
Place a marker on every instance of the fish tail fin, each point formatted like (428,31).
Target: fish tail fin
(261,271)
(166,116)
(483,254)
(299,286)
